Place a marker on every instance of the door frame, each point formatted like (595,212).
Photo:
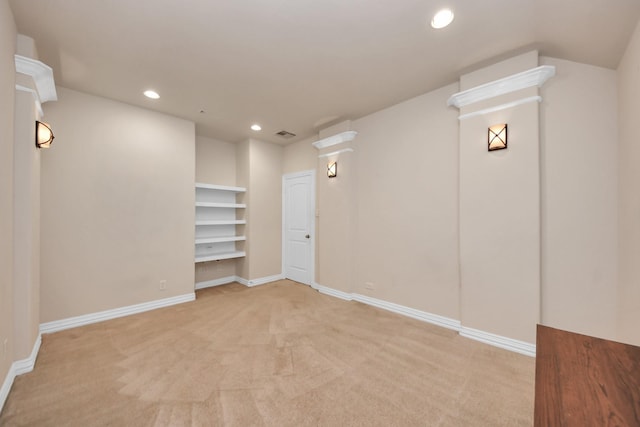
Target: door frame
(312,268)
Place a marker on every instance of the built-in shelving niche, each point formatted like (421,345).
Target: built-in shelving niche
(216,222)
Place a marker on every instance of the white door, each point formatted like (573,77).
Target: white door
(298,226)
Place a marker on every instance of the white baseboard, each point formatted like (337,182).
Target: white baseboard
(332,292)
(87,319)
(26,365)
(445,322)
(241,280)
(19,367)
(257,282)
(424,316)
(216,282)
(499,341)
(6,386)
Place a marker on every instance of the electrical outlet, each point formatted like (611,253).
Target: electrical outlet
(163,285)
(369,285)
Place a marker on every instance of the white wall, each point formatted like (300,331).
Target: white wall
(265,209)
(629,194)
(259,169)
(407,204)
(215,164)
(26,248)
(215,161)
(117,206)
(500,212)
(336,220)
(539,232)
(7,95)
(578,120)
(299,156)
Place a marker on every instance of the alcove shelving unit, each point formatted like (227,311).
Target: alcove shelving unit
(216,221)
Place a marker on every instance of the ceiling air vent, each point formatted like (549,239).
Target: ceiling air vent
(286,135)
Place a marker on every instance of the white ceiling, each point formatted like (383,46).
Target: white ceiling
(299,65)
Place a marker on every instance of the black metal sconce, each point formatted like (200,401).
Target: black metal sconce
(44,135)
(497,139)
(332,169)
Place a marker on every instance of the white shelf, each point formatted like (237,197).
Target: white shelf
(205,240)
(220,187)
(216,219)
(529,78)
(222,222)
(220,205)
(335,139)
(217,257)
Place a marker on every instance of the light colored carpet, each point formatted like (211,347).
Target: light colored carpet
(276,355)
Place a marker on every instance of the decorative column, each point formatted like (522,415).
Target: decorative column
(336,209)
(500,202)
(34,86)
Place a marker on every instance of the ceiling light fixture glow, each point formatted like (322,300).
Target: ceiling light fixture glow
(151,94)
(256,127)
(442,19)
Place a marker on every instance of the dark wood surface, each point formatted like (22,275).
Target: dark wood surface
(585,381)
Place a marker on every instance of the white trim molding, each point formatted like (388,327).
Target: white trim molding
(241,280)
(6,386)
(435,319)
(501,107)
(26,365)
(332,292)
(42,76)
(216,282)
(529,78)
(424,316)
(19,367)
(87,319)
(262,281)
(499,341)
(335,139)
(335,153)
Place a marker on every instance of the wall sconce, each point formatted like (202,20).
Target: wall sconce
(497,137)
(332,169)
(44,135)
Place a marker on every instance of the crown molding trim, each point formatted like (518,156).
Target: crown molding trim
(335,153)
(501,107)
(335,139)
(42,76)
(529,78)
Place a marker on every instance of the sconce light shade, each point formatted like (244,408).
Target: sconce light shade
(497,137)
(332,169)
(44,135)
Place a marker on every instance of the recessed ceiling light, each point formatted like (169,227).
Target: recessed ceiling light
(151,94)
(256,127)
(442,19)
